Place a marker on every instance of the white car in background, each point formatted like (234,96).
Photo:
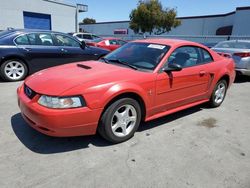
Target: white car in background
(87,37)
(239,50)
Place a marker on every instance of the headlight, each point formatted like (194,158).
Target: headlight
(61,102)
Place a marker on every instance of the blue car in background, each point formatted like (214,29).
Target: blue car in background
(23,52)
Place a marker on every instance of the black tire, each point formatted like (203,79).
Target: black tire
(105,123)
(21,69)
(213,103)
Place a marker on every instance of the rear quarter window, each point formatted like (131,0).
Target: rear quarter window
(207,58)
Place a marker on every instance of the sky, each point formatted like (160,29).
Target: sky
(119,10)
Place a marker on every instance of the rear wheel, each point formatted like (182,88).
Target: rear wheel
(219,94)
(120,120)
(13,70)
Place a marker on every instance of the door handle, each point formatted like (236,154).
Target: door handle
(202,73)
(27,49)
(63,50)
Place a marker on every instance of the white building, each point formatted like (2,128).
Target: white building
(233,23)
(39,14)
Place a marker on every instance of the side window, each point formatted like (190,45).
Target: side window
(79,36)
(113,42)
(86,36)
(22,40)
(185,56)
(40,39)
(46,39)
(63,40)
(207,58)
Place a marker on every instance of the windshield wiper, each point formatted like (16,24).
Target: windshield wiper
(122,63)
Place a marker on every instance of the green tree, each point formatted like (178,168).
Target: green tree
(88,21)
(150,16)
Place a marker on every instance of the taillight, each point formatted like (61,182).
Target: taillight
(242,54)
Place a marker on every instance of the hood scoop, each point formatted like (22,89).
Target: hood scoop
(83,66)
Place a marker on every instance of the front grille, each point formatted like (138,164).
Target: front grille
(29,92)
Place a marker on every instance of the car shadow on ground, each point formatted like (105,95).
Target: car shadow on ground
(241,79)
(40,143)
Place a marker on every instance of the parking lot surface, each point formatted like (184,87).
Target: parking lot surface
(197,147)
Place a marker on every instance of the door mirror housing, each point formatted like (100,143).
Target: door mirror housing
(170,67)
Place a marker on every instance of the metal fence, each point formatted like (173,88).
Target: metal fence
(194,38)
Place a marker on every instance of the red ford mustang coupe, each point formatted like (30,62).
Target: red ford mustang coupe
(140,81)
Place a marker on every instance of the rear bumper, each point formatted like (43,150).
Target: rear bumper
(243,71)
(59,123)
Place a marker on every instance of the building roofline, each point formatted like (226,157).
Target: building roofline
(243,8)
(182,18)
(61,3)
(206,16)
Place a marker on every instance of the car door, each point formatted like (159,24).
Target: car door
(174,89)
(71,50)
(39,50)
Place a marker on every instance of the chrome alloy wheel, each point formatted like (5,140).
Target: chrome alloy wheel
(14,70)
(220,93)
(123,120)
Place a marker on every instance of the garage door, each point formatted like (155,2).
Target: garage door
(36,21)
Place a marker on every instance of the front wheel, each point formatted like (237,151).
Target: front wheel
(219,94)
(120,120)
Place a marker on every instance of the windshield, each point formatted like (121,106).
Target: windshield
(141,55)
(233,44)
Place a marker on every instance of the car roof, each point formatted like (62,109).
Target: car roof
(169,42)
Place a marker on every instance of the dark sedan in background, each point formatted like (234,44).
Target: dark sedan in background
(23,52)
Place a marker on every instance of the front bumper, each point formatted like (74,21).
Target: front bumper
(243,71)
(58,122)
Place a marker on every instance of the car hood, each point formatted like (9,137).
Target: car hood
(55,81)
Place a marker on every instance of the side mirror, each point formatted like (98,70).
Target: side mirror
(83,44)
(172,67)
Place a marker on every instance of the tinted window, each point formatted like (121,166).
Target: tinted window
(40,39)
(185,56)
(22,40)
(141,55)
(86,36)
(79,36)
(113,42)
(63,40)
(207,58)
